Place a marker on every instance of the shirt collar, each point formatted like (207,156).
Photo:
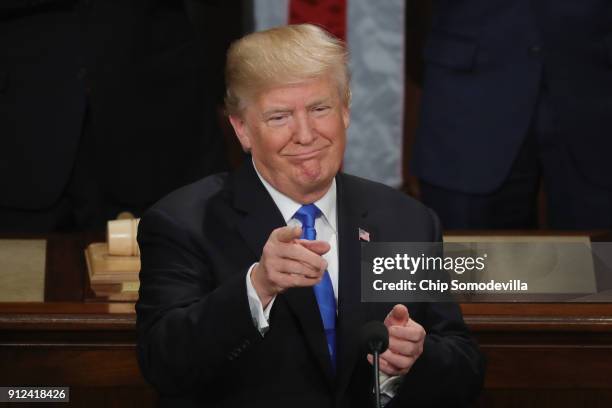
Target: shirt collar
(288,207)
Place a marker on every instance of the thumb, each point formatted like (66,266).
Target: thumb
(398,316)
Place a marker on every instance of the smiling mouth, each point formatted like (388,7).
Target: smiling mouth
(306,155)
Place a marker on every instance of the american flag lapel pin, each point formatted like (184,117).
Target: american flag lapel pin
(364,235)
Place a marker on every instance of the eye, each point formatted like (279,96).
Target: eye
(277,120)
(321,110)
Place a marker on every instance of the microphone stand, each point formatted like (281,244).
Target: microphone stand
(375,340)
(376,380)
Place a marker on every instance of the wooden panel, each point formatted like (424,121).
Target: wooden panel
(575,366)
(543,398)
(73,364)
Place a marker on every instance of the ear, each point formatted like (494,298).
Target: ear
(242,131)
(346,116)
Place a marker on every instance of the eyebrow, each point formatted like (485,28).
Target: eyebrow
(326,100)
(274,110)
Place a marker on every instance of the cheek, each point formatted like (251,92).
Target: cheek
(338,139)
(271,142)
(332,161)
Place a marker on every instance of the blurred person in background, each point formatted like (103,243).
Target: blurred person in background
(515,92)
(106,106)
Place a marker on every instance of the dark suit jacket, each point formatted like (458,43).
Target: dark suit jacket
(196,337)
(485,63)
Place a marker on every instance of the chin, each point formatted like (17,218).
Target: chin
(312,174)
(314,184)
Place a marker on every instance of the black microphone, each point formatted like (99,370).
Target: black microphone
(375,340)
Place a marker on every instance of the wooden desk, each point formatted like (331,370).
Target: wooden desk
(539,355)
(71,340)
(545,355)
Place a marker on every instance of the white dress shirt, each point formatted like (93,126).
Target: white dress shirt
(326,226)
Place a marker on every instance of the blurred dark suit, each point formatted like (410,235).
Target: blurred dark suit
(105,105)
(515,90)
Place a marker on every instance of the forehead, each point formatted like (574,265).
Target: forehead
(302,93)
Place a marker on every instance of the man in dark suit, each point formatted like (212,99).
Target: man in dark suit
(515,91)
(250,287)
(91,94)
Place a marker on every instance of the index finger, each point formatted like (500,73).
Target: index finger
(286,234)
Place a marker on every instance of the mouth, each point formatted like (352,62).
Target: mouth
(306,155)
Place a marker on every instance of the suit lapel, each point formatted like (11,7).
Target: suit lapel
(352,215)
(261,214)
(261,217)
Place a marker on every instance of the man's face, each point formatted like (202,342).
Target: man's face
(296,134)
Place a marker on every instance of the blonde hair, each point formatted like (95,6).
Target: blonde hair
(282,56)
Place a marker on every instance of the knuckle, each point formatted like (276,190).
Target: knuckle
(304,270)
(268,248)
(411,350)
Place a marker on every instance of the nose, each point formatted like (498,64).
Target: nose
(303,132)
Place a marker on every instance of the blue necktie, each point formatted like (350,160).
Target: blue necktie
(324,290)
